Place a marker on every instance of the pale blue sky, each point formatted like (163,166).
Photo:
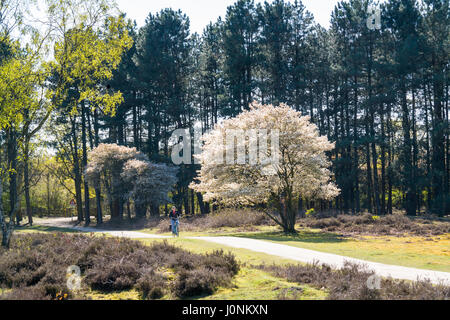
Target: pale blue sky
(201,12)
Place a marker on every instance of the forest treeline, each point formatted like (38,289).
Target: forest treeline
(381,94)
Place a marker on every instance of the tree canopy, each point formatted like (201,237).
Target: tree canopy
(295,165)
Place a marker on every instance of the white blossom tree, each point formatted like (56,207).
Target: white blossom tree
(125,172)
(299,166)
(149,183)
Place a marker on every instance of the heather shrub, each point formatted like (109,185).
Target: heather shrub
(202,274)
(183,261)
(27,293)
(325,223)
(219,260)
(201,281)
(114,276)
(152,285)
(35,267)
(350,283)
(378,225)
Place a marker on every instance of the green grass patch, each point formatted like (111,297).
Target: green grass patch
(115,296)
(253,284)
(244,256)
(250,283)
(431,253)
(43,229)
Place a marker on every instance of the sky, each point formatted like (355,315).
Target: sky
(202,12)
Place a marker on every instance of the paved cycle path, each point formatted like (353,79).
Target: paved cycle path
(280,250)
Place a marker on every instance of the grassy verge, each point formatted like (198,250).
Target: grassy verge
(250,283)
(43,229)
(244,256)
(114,296)
(417,252)
(253,284)
(432,253)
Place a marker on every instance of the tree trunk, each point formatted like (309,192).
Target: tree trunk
(289,212)
(87,211)
(357,204)
(438,142)
(383,165)
(141,210)
(203,209)
(12,164)
(94,143)
(115,213)
(26,178)
(410,201)
(154,210)
(6,228)
(76,171)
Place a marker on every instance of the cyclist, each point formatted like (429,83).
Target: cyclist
(174,222)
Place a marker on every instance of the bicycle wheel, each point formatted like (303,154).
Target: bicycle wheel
(176,229)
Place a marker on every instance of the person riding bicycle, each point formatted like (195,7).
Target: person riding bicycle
(174,215)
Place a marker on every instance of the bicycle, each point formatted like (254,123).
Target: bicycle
(175,228)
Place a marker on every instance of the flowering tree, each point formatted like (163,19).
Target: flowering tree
(294,166)
(149,183)
(105,167)
(124,173)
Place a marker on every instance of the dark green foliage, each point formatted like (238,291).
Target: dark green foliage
(372,91)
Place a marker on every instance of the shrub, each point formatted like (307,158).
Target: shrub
(325,223)
(152,285)
(115,276)
(350,283)
(27,293)
(35,266)
(202,274)
(378,225)
(201,281)
(219,260)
